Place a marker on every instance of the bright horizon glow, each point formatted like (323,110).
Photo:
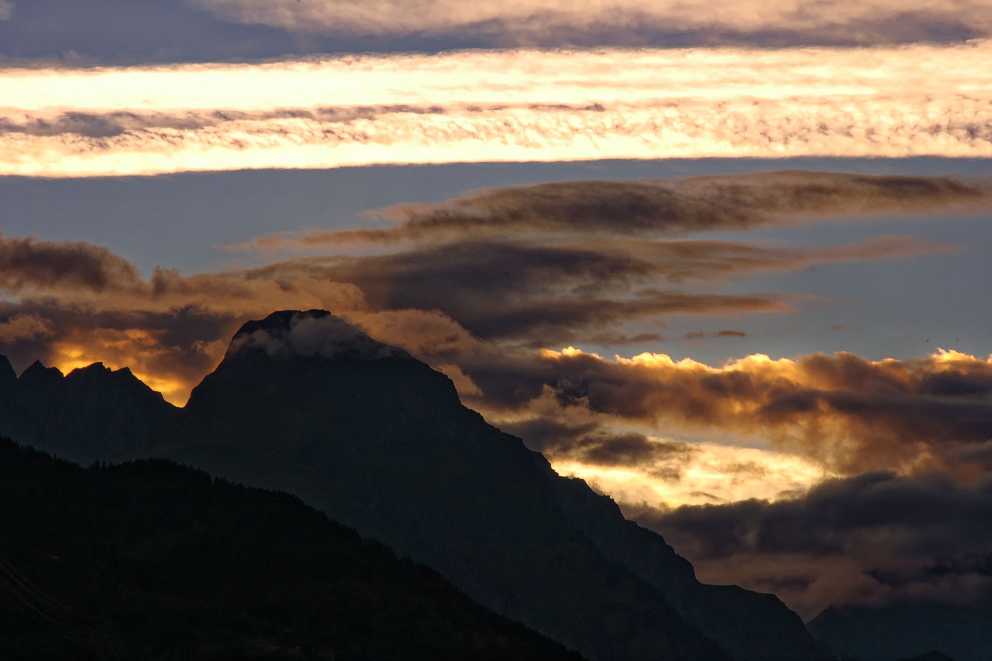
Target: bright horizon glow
(713,474)
(498,106)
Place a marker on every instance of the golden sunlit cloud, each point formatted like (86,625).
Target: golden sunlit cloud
(708,474)
(482,106)
(840,410)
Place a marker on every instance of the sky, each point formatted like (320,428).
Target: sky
(729,266)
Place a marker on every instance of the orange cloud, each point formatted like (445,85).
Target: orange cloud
(849,413)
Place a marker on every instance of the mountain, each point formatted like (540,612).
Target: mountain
(149,560)
(91,414)
(907,630)
(306,403)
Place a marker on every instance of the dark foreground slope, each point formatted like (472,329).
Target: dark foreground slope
(900,631)
(378,440)
(153,561)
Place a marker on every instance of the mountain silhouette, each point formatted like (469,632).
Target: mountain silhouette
(151,561)
(907,630)
(306,403)
(91,414)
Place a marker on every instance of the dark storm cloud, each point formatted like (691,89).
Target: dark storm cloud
(592,444)
(546,293)
(30,264)
(537,294)
(872,538)
(653,208)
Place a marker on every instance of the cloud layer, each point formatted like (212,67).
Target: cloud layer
(849,413)
(169,31)
(876,538)
(653,208)
(558,22)
(497,106)
(30,265)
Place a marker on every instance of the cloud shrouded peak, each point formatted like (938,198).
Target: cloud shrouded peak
(290,333)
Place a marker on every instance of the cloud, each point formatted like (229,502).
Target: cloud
(591,444)
(505,290)
(850,413)
(6,10)
(554,22)
(653,208)
(874,538)
(29,264)
(496,106)
(443,303)
(170,349)
(702,335)
(536,292)
(25,327)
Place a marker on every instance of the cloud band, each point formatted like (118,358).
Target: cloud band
(494,106)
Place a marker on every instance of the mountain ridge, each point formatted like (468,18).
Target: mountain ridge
(306,403)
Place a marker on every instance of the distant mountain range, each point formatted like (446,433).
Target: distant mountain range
(307,404)
(903,630)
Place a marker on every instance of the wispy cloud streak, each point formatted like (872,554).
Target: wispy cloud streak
(498,106)
(651,208)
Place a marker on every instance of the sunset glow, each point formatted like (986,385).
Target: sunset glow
(497,106)
(613,330)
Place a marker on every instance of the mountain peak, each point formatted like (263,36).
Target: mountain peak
(8,377)
(309,333)
(95,368)
(37,374)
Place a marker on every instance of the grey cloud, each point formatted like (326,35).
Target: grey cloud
(28,264)
(159,31)
(530,292)
(98,125)
(661,208)
(874,538)
(540,293)
(625,22)
(702,335)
